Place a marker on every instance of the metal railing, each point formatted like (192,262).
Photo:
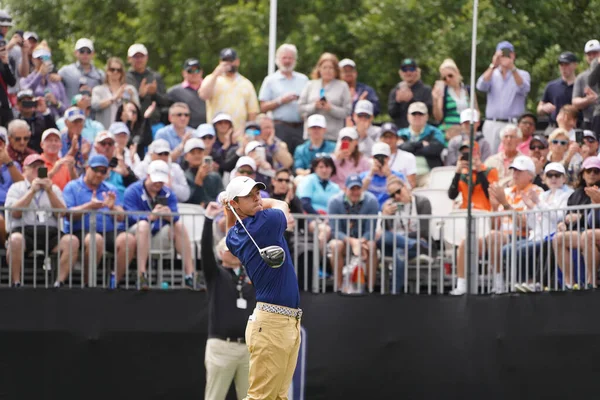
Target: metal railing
(398,254)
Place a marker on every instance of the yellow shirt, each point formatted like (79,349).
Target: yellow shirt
(235,96)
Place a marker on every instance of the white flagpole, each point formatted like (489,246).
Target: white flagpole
(272,35)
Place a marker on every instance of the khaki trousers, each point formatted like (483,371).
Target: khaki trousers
(273,341)
(225,362)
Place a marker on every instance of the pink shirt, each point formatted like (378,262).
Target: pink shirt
(343,171)
(523,147)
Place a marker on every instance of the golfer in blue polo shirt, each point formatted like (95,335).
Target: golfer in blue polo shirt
(273,330)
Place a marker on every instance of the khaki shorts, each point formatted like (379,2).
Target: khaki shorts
(161,240)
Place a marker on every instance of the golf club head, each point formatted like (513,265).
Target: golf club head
(274,256)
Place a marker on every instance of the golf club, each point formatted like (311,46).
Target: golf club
(274,256)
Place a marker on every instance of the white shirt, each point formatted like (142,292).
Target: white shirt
(179,184)
(550,205)
(403,162)
(33,215)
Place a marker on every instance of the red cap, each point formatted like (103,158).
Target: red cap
(30,159)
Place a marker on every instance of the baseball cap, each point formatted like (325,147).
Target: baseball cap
(5,18)
(541,139)
(364,107)
(316,120)
(32,158)
(41,51)
(245,160)
(25,93)
(104,135)
(591,45)
(505,45)
(417,106)
(193,143)
(50,131)
(567,57)
(389,127)
(524,163)
(160,146)
(346,62)
(28,35)
(119,127)
(159,171)
(222,117)
(98,161)
(241,186)
(205,130)
(191,62)
(252,146)
(348,132)
(408,62)
(381,148)
(228,54)
(591,162)
(588,133)
(469,115)
(83,43)
(137,48)
(554,166)
(353,181)
(252,125)
(74,113)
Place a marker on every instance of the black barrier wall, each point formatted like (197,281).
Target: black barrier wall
(97,344)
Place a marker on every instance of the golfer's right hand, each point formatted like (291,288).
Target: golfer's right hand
(291,223)
(213,209)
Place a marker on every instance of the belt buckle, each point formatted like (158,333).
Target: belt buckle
(299,314)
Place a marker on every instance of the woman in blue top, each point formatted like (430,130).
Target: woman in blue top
(316,189)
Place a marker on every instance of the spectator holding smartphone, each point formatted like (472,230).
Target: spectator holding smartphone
(34,111)
(225,148)
(121,133)
(375,180)
(347,158)
(119,174)
(204,184)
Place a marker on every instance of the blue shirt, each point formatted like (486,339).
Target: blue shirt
(312,188)
(273,285)
(559,93)
(91,128)
(6,181)
(305,153)
(168,133)
(137,199)
(378,185)
(77,193)
(505,99)
(66,146)
(277,85)
(340,205)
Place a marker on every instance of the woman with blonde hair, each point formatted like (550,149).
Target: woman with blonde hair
(326,94)
(450,95)
(565,152)
(107,98)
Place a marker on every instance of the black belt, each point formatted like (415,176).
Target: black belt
(292,124)
(500,119)
(228,339)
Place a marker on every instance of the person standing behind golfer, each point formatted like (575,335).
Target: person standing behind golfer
(273,330)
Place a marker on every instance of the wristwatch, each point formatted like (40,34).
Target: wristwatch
(492,66)
(9,164)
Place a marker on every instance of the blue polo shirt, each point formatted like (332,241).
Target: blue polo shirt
(168,133)
(6,181)
(305,153)
(273,285)
(66,146)
(277,85)
(137,199)
(77,193)
(312,187)
(378,185)
(559,93)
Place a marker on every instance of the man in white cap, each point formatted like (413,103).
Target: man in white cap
(160,150)
(73,143)
(584,97)
(148,83)
(273,351)
(204,184)
(265,170)
(120,175)
(61,170)
(375,180)
(358,90)
(316,144)
(153,196)
(368,134)
(83,68)
(466,117)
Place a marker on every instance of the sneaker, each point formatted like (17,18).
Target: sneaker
(16,285)
(143,282)
(190,283)
(458,291)
(58,284)
(520,287)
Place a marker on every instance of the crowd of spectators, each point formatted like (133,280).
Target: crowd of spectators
(117,140)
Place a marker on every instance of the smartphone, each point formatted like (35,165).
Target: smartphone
(113,162)
(465,157)
(322,95)
(29,103)
(345,145)
(579,136)
(380,158)
(162,200)
(506,52)
(42,172)
(208,160)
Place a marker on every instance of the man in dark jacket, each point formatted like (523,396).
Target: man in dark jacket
(36,114)
(7,78)
(410,90)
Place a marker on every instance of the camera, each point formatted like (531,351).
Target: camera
(113,162)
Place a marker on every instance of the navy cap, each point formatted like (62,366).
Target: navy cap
(228,54)
(567,57)
(191,62)
(353,181)
(541,139)
(408,62)
(389,127)
(98,161)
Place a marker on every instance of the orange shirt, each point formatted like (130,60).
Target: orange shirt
(479,199)
(62,177)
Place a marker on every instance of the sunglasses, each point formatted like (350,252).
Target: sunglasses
(595,171)
(208,137)
(85,51)
(181,115)
(245,172)
(100,170)
(22,138)
(164,154)
(417,113)
(192,71)
(107,144)
(396,192)
(408,69)
(283,180)
(363,116)
(537,148)
(115,69)
(550,175)
(561,142)
(449,76)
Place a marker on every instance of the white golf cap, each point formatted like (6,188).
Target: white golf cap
(241,186)
(83,43)
(160,146)
(205,130)
(346,62)
(103,135)
(364,107)
(419,107)
(222,117)
(117,128)
(592,45)
(50,131)
(348,132)
(316,120)
(137,48)
(381,148)
(193,143)
(245,160)
(251,146)
(159,171)
(554,166)
(523,163)
(469,115)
